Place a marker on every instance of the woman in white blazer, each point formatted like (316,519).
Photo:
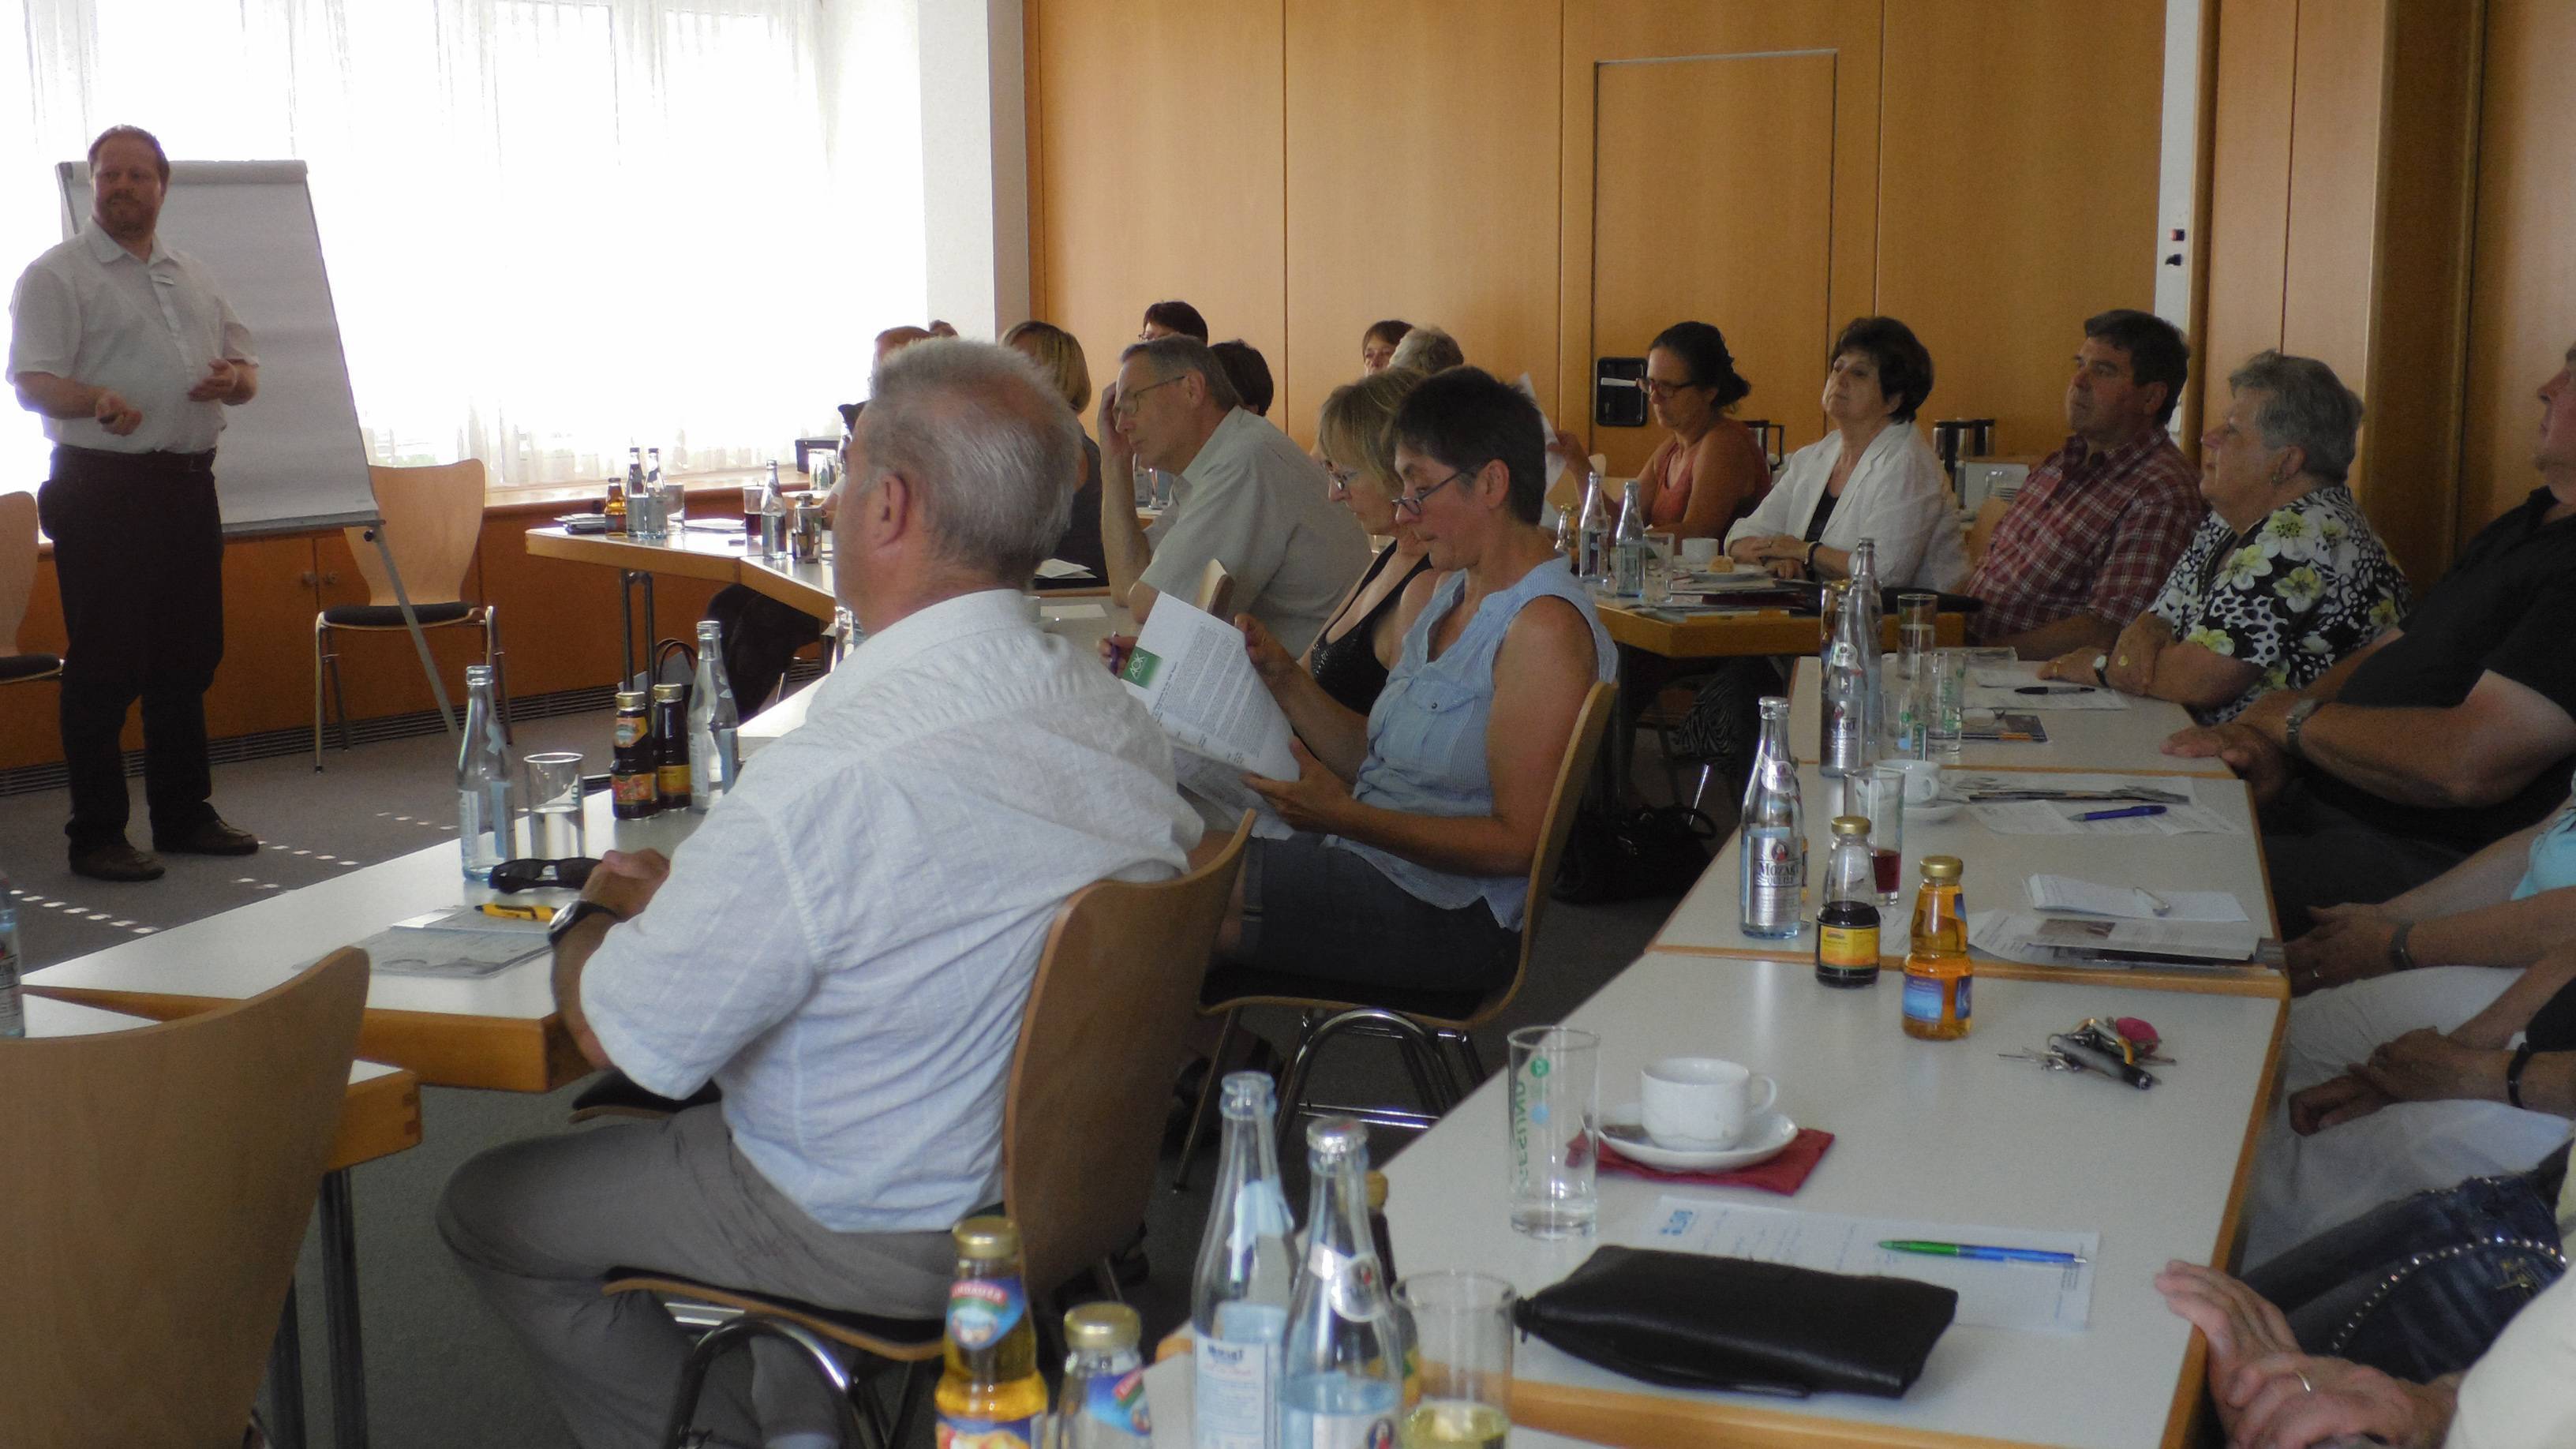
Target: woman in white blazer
(1872,477)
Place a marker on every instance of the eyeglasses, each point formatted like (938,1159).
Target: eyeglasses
(1659,389)
(1411,503)
(1341,478)
(1126,407)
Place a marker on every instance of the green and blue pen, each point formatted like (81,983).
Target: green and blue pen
(1979,1251)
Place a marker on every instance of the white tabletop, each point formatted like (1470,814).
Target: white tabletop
(2127,739)
(1167,1397)
(1941,1131)
(247,950)
(1997,870)
(49,1018)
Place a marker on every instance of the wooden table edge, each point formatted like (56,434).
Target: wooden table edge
(2260,981)
(601,549)
(380,1118)
(803,598)
(444,1049)
(1643,1421)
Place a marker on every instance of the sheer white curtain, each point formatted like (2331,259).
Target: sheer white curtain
(555,228)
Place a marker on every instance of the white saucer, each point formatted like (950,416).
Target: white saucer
(1934,810)
(1765,1137)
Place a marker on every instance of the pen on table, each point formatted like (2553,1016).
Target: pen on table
(2052,689)
(1979,1251)
(2156,904)
(2131,813)
(518,913)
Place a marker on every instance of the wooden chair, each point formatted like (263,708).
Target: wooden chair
(1216,591)
(1082,1128)
(17,581)
(1420,1022)
(433,519)
(160,1183)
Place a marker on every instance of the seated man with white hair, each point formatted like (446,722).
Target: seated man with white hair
(1248,497)
(847,943)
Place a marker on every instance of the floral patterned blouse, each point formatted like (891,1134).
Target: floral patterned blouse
(2310,584)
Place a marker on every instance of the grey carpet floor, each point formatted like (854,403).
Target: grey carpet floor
(440,1372)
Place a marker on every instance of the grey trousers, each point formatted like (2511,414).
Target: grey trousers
(537,1226)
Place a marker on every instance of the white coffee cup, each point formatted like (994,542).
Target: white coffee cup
(1699,553)
(1922,780)
(1702,1102)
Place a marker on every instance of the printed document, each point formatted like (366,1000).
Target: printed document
(1190,672)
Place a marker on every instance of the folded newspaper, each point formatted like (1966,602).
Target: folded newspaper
(1190,672)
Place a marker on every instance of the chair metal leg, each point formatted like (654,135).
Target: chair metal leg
(286,1380)
(907,1404)
(1466,1044)
(1431,1074)
(339,695)
(1425,1089)
(693,1372)
(1207,1093)
(1292,1083)
(337,1217)
(319,628)
(498,661)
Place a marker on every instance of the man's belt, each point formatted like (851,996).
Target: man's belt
(159,460)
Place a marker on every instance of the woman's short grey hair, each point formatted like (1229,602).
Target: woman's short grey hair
(1428,349)
(987,445)
(2305,406)
(1171,356)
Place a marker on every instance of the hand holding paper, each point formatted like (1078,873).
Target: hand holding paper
(1312,800)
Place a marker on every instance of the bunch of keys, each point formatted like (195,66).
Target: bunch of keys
(2112,1047)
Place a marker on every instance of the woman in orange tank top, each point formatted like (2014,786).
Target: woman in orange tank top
(1709,471)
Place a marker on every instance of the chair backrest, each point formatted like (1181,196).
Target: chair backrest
(1116,990)
(17,564)
(1216,590)
(158,1188)
(433,518)
(1573,774)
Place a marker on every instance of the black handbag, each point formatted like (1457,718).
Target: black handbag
(1624,855)
(1688,1320)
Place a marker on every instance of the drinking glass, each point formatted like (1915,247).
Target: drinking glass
(671,505)
(556,831)
(1879,793)
(1949,718)
(1462,1324)
(644,516)
(1914,631)
(1552,1113)
(751,512)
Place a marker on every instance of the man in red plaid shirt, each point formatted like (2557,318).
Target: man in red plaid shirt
(2098,525)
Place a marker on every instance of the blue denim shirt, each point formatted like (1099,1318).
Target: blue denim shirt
(2553,854)
(1427,732)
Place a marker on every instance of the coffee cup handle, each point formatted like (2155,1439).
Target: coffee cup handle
(1770,1094)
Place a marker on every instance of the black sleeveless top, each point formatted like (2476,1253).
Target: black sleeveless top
(1347,667)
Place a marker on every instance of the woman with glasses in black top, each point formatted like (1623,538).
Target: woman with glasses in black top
(1356,437)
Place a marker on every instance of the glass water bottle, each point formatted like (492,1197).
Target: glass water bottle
(487,827)
(1246,1273)
(715,752)
(1772,874)
(1344,1365)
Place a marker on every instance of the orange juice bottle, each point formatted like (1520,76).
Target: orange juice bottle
(1938,974)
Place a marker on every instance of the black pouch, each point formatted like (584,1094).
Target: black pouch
(1688,1320)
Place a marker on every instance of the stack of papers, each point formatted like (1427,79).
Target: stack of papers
(2055,805)
(1056,568)
(1190,672)
(2067,896)
(2054,695)
(2095,941)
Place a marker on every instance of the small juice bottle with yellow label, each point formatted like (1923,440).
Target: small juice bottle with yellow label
(1847,926)
(1938,975)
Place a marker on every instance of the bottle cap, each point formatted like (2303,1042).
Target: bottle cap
(477,674)
(709,629)
(1337,1137)
(1851,825)
(1376,1191)
(1940,867)
(1102,1328)
(630,699)
(670,693)
(986,1239)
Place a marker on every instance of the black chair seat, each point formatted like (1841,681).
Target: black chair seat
(28,666)
(1231,983)
(388,616)
(616,1093)
(864,1330)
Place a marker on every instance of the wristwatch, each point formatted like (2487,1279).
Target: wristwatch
(2098,661)
(2297,720)
(573,915)
(2513,1075)
(2399,956)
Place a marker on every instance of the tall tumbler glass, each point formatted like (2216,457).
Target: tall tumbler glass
(1879,794)
(1949,722)
(556,829)
(1462,1324)
(1914,629)
(1553,1111)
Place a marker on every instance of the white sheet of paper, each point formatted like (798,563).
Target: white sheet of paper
(1076,611)
(2084,897)
(2033,1297)
(1216,790)
(1190,672)
(2029,936)
(471,918)
(468,954)
(1056,568)
(1990,697)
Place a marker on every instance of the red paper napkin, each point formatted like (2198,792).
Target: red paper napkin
(1782,1174)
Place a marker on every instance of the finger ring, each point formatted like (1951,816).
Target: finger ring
(2124,659)
(2303,1381)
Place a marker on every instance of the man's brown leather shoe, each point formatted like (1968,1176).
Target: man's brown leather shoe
(213,837)
(116,860)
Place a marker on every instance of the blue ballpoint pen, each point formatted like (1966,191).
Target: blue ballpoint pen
(1979,1252)
(2131,813)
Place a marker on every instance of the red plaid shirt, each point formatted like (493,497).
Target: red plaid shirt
(2094,533)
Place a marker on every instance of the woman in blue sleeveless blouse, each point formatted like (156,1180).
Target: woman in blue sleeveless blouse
(1416,823)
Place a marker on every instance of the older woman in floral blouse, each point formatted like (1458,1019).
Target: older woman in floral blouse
(2284,577)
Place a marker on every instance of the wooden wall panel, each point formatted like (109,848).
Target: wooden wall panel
(2522,301)
(1410,194)
(2337,103)
(1599,31)
(1761,268)
(1160,171)
(2249,183)
(2017,193)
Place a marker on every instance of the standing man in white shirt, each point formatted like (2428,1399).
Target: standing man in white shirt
(130,355)
(1248,497)
(846,945)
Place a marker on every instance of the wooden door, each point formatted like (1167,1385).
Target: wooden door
(1690,222)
